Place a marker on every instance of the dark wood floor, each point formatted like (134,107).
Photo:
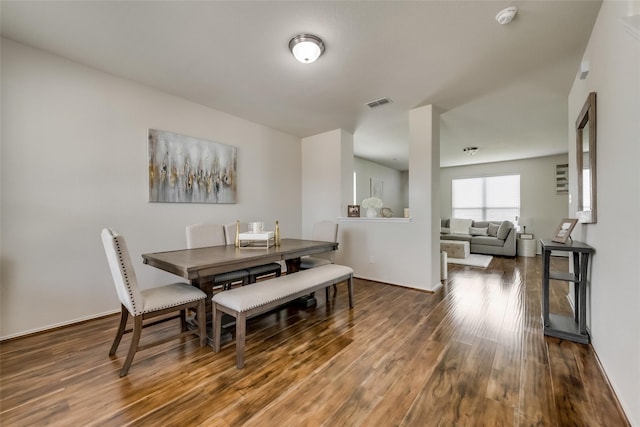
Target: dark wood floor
(472,354)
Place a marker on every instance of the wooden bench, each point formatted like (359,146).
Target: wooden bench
(258,298)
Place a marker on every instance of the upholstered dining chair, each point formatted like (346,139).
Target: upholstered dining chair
(259,271)
(325,231)
(203,235)
(148,303)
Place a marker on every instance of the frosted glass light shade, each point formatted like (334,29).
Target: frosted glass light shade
(306,48)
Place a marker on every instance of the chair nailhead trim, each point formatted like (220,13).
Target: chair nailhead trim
(123,270)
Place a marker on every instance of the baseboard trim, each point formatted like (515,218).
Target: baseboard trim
(58,325)
(429,291)
(606,378)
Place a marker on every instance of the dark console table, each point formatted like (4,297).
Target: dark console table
(555,325)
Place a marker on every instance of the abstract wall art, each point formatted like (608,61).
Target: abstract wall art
(184,169)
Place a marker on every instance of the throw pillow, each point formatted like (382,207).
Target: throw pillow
(460,226)
(493,229)
(475,231)
(504,229)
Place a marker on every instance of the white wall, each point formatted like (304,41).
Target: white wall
(74,160)
(396,251)
(395,195)
(327,177)
(539,201)
(404,179)
(614,289)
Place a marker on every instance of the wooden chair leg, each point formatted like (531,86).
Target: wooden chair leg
(183,320)
(241,330)
(350,287)
(326,295)
(217,328)
(124,315)
(201,317)
(135,340)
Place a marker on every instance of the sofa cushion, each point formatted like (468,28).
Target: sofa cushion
(504,229)
(444,230)
(493,229)
(478,231)
(452,236)
(460,225)
(487,240)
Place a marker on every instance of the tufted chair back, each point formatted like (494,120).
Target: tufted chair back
(203,235)
(124,276)
(230,231)
(326,231)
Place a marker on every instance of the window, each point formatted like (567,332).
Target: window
(486,198)
(355,201)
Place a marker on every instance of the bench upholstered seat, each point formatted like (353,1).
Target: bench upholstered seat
(263,296)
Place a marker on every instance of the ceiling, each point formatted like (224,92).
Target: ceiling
(502,88)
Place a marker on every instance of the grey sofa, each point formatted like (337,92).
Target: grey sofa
(485,237)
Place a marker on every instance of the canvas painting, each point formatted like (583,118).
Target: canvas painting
(184,169)
(376,188)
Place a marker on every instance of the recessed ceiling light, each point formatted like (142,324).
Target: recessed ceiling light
(506,15)
(306,47)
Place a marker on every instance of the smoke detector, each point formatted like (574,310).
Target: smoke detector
(470,150)
(506,15)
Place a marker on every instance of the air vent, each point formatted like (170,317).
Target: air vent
(378,102)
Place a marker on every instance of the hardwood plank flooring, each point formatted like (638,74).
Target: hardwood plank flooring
(471,354)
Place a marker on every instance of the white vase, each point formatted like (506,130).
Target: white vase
(371,213)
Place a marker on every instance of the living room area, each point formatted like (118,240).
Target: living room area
(534,206)
(538,207)
(77,105)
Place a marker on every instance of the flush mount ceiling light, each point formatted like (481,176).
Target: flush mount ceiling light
(306,47)
(470,150)
(506,15)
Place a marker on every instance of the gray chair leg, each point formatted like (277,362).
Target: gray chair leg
(201,316)
(124,315)
(135,340)
(217,328)
(183,320)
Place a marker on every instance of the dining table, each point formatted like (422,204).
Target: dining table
(200,265)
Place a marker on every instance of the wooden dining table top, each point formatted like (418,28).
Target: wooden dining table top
(200,263)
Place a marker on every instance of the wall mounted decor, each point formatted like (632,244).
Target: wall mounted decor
(184,169)
(377,188)
(586,161)
(562,179)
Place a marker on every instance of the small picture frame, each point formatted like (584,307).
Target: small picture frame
(563,232)
(353,211)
